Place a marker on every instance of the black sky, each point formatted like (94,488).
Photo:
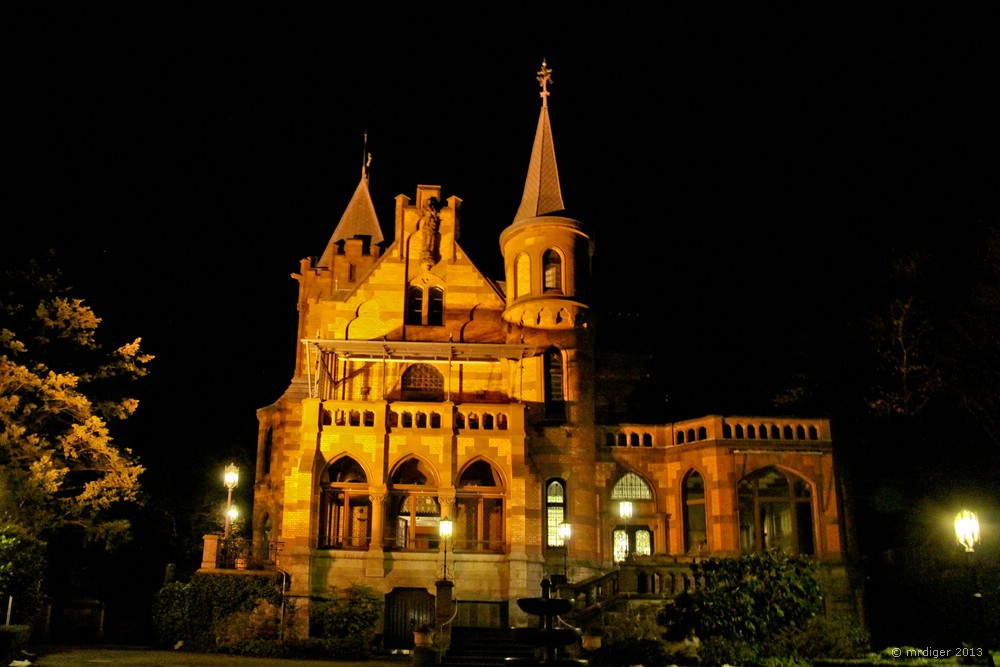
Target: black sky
(747,167)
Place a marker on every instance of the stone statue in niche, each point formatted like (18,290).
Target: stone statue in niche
(430,221)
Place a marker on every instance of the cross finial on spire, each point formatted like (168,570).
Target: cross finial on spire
(544,78)
(366,158)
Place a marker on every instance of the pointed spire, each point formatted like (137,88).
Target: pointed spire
(542,193)
(359,218)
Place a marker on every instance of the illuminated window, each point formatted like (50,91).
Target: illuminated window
(479,502)
(411,507)
(552,271)
(345,507)
(630,539)
(555,512)
(775,512)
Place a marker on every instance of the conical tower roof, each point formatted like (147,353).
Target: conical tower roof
(542,193)
(359,219)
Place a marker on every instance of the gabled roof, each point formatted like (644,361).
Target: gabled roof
(542,193)
(359,219)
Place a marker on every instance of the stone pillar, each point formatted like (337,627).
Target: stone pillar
(209,552)
(444,608)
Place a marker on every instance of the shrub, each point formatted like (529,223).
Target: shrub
(823,637)
(750,598)
(170,613)
(22,567)
(719,650)
(197,613)
(348,620)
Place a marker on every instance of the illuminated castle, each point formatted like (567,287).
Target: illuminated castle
(426,394)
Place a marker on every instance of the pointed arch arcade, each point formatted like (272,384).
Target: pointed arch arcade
(345,506)
(479,508)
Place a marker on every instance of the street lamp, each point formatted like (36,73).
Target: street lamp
(967,534)
(565,532)
(445,527)
(967,530)
(231,479)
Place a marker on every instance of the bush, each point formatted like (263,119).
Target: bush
(170,613)
(749,599)
(197,614)
(22,568)
(719,650)
(347,621)
(13,639)
(823,637)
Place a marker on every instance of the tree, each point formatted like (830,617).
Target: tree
(59,391)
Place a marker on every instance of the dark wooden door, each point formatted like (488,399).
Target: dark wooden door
(405,609)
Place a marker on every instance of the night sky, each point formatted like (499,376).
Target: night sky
(748,169)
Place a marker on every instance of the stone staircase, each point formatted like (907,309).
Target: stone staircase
(486,647)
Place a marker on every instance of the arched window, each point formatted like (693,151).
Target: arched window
(695,533)
(555,403)
(479,520)
(422,382)
(555,511)
(628,539)
(435,307)
(414,305)
(412,510)
(345,508)
(775,512)
(522,276)
(552,271)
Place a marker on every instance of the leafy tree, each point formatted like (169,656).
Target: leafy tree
(59,391)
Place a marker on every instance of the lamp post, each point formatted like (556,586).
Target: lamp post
(967,535)
(445,526)
(231,480)
(565,532)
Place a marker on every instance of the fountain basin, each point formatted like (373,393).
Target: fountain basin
(544,606)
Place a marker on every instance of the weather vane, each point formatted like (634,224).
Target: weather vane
(544,78)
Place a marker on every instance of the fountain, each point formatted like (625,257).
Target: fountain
(551,640)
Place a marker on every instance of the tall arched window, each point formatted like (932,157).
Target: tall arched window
(435,307)
(775,512)
(552,271)
(555,512)
(345,508)
(695,534)
(522,276)
(631,536)
(414,305)
(422,382)
(555,402)
(479,520)
(412,510)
